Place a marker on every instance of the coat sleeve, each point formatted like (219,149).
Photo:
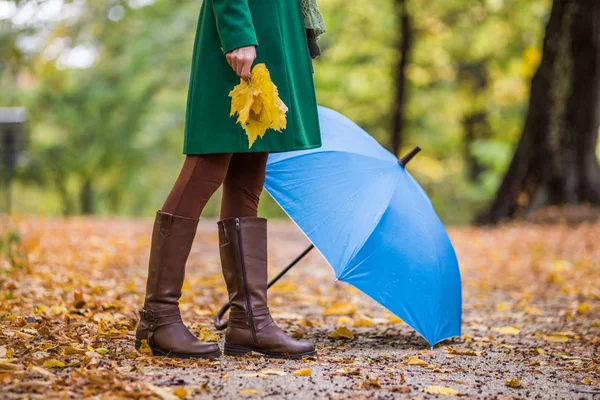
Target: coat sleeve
(234,24)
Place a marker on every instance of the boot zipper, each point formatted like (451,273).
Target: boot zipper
(245,282)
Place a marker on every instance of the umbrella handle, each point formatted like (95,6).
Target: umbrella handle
(221,324)
(404,160)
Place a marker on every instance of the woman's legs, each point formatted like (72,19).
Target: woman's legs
(199,179)
(243,185)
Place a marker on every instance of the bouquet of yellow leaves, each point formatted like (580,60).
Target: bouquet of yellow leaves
(257,104)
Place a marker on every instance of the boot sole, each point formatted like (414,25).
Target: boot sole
(159,352)
(237,350)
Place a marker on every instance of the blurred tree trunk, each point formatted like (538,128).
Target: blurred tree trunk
(555,161)
(86,197)
(474,78)
(404,45)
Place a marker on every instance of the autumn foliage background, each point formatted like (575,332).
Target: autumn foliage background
(105,86)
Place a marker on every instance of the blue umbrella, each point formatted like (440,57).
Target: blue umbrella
(373,224)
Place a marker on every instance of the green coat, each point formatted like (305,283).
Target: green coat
(276,27)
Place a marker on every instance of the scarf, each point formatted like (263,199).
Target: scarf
(314,25)
(312,17)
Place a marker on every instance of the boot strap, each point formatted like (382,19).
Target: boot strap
(153,319)
(239,318)
(242,314)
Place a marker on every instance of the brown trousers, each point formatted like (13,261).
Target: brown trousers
(241,174)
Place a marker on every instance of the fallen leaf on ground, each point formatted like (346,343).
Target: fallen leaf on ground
(414,360)
(53,363)
(441,390)
(344,320)
(163,393)
(371,384)
(341,333)
(207,335)
(507,330)
(340,309)
(556,337)
(145,348)
(249,392)
(303,372)
(72,350)
(180,392)
(513,383)
(462,352)
(362,322)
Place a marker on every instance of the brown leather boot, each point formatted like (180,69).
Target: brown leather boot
(244,261)
(160,320)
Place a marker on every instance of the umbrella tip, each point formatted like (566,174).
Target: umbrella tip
(409,156)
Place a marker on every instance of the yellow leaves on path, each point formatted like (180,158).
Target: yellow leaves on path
(505,286)
(441,390)
(302,372)
(341,333)
(258,106)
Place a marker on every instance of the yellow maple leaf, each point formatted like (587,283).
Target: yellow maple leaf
(258,106)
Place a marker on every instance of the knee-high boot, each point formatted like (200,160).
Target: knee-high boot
(160,319)
(243,243)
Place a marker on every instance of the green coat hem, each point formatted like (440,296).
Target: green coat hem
(227,149)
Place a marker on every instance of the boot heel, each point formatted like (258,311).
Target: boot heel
(234,350)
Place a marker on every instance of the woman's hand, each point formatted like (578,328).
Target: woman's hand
(241,60)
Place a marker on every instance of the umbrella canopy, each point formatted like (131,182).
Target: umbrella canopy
(373,223)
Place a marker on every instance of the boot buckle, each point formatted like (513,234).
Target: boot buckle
(148,315)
